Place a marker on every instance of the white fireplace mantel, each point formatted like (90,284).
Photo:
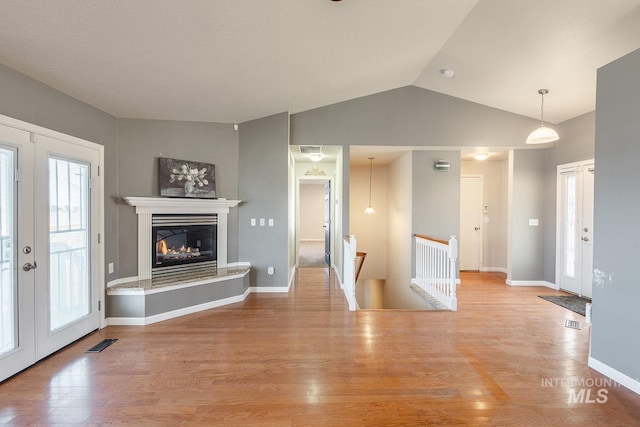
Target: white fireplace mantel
(147,206)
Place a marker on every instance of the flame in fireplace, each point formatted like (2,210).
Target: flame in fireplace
(162,247)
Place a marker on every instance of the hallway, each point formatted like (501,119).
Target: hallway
(303,359)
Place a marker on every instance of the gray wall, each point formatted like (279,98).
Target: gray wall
(263,187)
(141,142)
(616,293)
(577,143)
(528,202)
(31,101)
(435,208)
(410,116)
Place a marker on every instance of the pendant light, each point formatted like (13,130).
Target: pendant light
(369,209)
(543,134)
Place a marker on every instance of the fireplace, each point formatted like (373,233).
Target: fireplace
(181,242)
(148,208)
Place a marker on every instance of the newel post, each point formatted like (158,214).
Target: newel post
(453,271)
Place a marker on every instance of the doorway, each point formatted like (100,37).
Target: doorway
(314,223)
(51,259)
(574,234)
(471,205)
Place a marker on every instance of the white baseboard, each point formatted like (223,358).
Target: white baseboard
(494,270)
(268,289)
(140,321)
(614,374)
(531,283)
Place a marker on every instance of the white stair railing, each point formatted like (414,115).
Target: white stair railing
(436,269)
(349,274)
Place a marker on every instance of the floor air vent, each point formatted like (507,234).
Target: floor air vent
(574,324)
(102,345)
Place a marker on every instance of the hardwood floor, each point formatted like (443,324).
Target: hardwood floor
(302,359)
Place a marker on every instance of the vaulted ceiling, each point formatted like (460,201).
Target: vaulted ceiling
(236,60)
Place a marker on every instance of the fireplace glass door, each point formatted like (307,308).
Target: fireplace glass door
(183,240)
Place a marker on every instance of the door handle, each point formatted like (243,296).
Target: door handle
(476,228)
(585,238)
(28,266)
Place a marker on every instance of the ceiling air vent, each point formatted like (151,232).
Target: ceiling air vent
(310,149)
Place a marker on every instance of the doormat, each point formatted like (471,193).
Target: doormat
(570,302)
(102,345)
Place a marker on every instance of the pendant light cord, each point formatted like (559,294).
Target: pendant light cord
(542,93)
(542,110)
(370,169)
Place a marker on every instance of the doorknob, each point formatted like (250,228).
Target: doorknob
(28,266)
(476,228)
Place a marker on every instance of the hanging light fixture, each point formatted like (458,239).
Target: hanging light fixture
(543,134)
(369,209)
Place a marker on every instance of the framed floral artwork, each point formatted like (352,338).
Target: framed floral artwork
(183,178)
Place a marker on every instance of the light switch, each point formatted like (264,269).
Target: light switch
(261,222)
(270,222)
(253,222)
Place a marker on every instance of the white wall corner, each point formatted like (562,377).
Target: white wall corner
(292,276)
(614,374)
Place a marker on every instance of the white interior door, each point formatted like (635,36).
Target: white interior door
(471,190)
(51,261)
(574,241)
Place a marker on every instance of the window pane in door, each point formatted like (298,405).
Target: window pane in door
(8,283)
(570,219)
(69,290)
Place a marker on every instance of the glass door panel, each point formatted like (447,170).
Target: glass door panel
(69,260)
(8,282)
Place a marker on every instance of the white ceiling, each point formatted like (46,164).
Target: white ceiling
(237,60)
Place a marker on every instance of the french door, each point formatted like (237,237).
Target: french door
(50,264)
(574,240)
